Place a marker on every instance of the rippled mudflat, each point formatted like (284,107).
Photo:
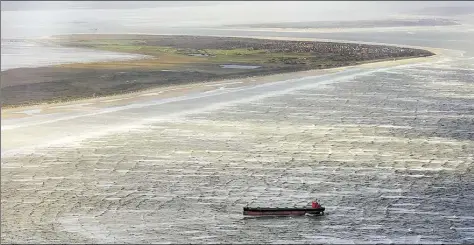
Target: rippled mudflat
(389,154)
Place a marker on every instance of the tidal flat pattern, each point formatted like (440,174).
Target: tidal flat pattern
(389,154)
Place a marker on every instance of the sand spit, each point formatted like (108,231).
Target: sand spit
(180,59)
(170,91)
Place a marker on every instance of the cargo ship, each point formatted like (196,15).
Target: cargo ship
(315,209)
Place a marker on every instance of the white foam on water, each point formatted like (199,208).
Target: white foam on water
(202,237)
(411,211)
(239,67)
(401,197)
(464,228)
(327,239)
(112,100)
(71,106)
(220,84)
(404,204)
(149,94)
(30,112)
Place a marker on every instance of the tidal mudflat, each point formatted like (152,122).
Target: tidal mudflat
(388,151)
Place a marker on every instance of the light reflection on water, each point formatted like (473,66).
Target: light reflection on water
(28,53)
(407,181)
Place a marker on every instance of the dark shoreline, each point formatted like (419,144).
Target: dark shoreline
(30,86)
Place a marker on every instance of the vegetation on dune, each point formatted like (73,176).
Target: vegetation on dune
(176,50)
(166,56)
